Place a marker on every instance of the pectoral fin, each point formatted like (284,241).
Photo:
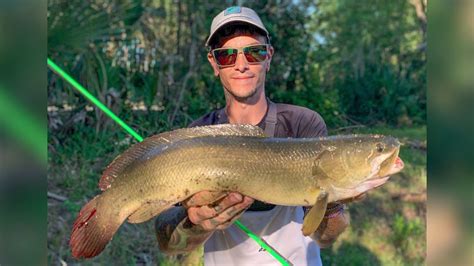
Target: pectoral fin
(316,214)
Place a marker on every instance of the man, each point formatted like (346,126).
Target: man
(240,55)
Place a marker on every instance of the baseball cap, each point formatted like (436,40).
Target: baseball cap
(236,14)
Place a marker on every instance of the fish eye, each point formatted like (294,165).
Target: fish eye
(380,147)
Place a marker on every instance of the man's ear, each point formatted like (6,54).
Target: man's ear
(213,63)
(269,57)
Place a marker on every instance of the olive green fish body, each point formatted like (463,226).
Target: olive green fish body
(166,169)
(239,164)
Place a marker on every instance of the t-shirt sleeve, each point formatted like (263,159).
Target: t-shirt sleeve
(311,125)
(195,123)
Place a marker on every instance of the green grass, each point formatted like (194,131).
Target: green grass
(385,229)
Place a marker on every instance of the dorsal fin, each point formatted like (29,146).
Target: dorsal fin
(121,162)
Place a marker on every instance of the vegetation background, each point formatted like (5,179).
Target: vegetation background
(360,64)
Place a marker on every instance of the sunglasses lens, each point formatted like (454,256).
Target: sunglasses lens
(256,53)
(253,54)
(225,57)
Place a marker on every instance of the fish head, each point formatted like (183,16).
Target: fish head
(363,163)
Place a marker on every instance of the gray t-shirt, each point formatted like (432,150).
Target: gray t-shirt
(279,226)
(292,121)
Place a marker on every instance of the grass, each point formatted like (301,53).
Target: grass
(387,228)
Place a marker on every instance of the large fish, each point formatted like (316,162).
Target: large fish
(167,168)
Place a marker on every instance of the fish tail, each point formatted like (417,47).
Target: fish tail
(92,230)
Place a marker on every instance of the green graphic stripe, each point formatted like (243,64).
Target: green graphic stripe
(20,124)
(263,244)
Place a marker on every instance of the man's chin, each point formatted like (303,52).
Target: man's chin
(243,95)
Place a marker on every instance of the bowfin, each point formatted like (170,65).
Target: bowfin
(92,230)
(148,211)
(316,214)
(158,143)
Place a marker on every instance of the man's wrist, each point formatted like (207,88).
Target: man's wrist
(186,237)
(334,209)
(335,221)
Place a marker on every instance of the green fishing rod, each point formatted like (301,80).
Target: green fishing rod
(76,85)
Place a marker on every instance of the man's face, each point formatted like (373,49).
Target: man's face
(243,80)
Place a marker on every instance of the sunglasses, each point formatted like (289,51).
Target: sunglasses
(254,54)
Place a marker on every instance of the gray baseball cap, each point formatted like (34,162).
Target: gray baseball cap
(236,14)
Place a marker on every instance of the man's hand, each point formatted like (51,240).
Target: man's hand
(183,229)
(218,215)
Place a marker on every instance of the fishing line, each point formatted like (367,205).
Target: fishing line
(55,68)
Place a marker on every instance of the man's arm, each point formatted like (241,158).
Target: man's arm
(335,221)
(175,234)
(183,229)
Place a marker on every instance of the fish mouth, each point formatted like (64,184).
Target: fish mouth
(386,165)
(381,176)
(396,167)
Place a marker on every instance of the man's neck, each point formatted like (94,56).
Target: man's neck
(246,112)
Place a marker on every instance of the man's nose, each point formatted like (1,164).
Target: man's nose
(241,63)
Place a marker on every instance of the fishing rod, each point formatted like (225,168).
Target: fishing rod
(76,85)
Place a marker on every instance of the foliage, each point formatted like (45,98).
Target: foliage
(352,61)
(405,231)
(373,54)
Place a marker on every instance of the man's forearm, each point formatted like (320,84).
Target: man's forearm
(332,225)
(176,234)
